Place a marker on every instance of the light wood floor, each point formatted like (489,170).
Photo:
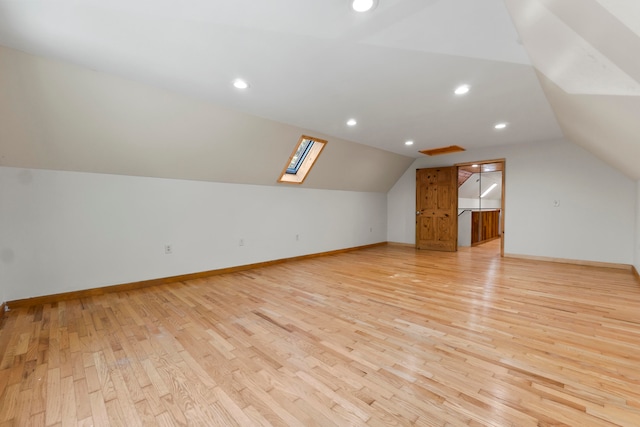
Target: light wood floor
(382,336)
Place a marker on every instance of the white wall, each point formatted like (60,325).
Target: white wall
(5,256)
(464,229)
(637,231)
(595,219)
(66,231)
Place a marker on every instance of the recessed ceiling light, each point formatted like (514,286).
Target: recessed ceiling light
(500,126)
(240,84)
(352,122)
(408,143)
(362,5)
(461,90)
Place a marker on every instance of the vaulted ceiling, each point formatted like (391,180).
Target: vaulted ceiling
(547,68)
(585,54)
(478,183)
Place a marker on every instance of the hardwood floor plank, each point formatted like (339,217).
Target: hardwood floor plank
(144,413)
(99,412)
(54,397)
(9,402)
(68,399)
(381,336)
(82,402)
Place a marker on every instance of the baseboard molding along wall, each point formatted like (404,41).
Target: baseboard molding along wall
(571,261)
(48,299)
(405,245)
(84,293)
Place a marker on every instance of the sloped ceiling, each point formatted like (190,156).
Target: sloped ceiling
(477,184)
(311,66)
(586,54)
(54,115)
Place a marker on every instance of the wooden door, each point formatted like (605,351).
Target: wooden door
(437,209)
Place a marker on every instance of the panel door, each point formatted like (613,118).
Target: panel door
(437,209)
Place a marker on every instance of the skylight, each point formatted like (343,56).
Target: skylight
(299,156)
(302,159)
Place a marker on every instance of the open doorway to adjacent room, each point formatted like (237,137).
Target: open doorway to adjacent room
(481,205)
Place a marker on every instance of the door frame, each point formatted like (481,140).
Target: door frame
(502,200)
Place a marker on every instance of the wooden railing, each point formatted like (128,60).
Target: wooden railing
(485,226)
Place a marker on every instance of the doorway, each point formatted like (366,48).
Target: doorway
(438,222)
(481,204)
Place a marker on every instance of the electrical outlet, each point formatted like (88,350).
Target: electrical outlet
(556,203)
(370,229)
(168,249)
(297,237)
(241,242)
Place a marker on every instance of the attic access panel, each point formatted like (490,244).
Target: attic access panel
(443,150)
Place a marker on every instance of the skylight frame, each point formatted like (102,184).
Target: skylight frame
(297,173)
